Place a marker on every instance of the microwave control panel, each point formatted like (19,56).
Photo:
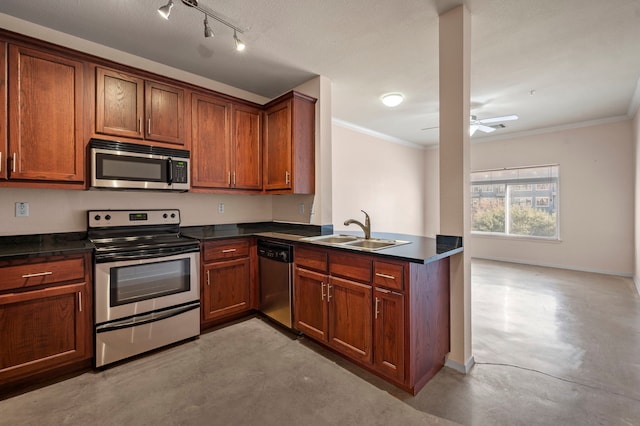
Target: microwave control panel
(180,171)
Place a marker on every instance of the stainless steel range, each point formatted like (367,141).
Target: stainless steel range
(146,282)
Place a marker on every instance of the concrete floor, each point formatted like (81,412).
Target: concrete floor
(552,347)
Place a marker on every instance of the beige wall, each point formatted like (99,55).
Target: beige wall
(636,151)
(596,197)
(432,192)
(384,178)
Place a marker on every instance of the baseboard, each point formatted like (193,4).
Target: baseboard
(635,281)
(461,368)
(556,266)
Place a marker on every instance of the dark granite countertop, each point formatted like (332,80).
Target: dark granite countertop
(420,249)
(24,246)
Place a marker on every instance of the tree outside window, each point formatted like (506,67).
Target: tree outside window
(516,202)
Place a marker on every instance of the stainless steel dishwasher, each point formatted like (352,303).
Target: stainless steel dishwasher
(276,281)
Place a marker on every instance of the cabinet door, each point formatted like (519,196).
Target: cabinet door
(43,329)
(247,144)
(350,328)
(277,146)
(389,333)
(310,303)
(211,142)
(45,116)
(164,107)
(4,158)
(119,104)
(227,288)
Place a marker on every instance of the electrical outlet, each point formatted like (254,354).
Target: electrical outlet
(22,209)
(220,208)
(301,208)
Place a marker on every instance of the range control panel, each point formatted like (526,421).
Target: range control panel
(113,218)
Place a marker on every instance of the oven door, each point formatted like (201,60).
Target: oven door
(127,288)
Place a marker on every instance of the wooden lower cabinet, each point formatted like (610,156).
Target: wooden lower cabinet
(45,315)
(388,332)
(227,279)
(389,316)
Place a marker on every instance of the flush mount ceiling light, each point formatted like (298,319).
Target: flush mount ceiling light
(165,11)
(392,99)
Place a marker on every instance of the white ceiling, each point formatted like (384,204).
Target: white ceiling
(582,57)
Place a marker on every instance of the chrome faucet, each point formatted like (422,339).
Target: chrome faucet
(366,227)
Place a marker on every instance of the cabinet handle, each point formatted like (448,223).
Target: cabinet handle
(13,168)
(234,178)
(229,178)
(377,312)
(322,287)
(80,301)
(390,277)
(140,125)
(208,278)
(149,126)
(0,161)
(228,250)
(287,177)
(39,274)
(328,293)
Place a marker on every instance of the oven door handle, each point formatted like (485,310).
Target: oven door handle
(146,318)
(147,254)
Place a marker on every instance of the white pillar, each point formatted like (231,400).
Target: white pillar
(455,216)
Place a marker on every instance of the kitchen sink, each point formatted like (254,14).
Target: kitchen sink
(353,242)
(332,239)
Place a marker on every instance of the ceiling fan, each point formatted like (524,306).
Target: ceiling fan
(475,124)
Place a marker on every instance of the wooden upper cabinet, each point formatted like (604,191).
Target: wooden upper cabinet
(289,144)
(210,142)
(165,113)
(131,107)
(247,147)
(45,116)
(4,158)
(226,144)
(119,104)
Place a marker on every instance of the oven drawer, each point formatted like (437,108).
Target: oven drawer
(42,273)
(225,249)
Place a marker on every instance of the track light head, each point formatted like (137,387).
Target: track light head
(165,10)
(240,46)
(208,32)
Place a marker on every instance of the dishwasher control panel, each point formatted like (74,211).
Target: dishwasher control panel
(275,251)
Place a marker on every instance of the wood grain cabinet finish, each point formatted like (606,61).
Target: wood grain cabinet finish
(131,107)
(4,157)
(45,116)
(226,144)
(389,316)
(289,144)
(226,279)
(46,318)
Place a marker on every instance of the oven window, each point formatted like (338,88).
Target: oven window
(149,280)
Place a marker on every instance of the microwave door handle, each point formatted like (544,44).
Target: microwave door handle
(170,174)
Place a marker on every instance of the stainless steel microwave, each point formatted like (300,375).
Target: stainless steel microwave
(121,165)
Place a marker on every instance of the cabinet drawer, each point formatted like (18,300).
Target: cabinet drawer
(225,249)
(350,266)
(41,273)
(387,274)
(310,258)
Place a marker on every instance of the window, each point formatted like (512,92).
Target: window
(516,202)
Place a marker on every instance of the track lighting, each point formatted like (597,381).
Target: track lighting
(165,11)
(208,32)
(240,46)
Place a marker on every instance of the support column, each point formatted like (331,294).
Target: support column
(455,216)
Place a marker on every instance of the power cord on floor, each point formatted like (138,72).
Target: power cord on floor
(501,364)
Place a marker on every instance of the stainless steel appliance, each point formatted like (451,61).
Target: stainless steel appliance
(146,282)
(121,165)
(276,274)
